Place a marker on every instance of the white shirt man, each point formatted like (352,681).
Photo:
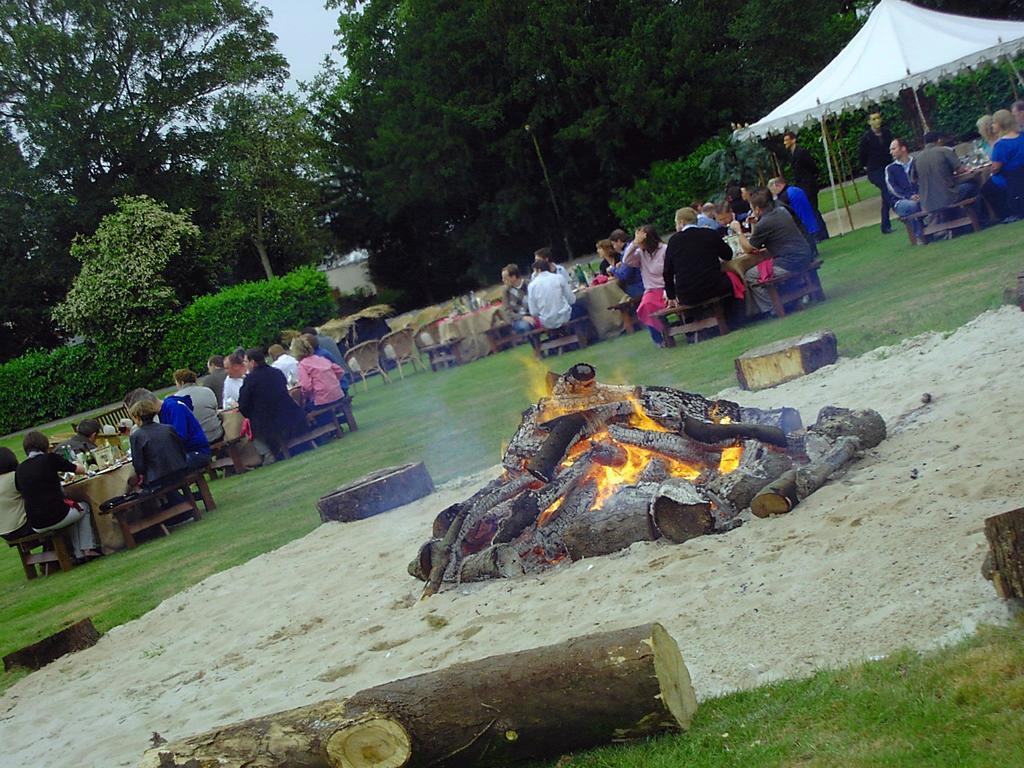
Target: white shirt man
(550,299)
(287,365)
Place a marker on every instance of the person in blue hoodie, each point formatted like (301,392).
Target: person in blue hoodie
(905,197)
(176,412)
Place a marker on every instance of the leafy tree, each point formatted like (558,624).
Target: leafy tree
(122,295)
(267,161)
(113,98)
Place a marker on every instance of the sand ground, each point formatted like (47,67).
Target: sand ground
(881,558)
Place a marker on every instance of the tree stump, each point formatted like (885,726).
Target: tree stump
(785,360)
(77,637)
(540,703)
(376,492)
(1005,534)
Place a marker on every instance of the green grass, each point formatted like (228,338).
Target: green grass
(880,290)
(865,188)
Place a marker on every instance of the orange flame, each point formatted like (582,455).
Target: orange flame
(730,459)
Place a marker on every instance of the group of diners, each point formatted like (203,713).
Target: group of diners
(170,438)
(935,178)
(687,269)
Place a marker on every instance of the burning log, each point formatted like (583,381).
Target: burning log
(680,512)
(794,486)
(498,562)
(758,467)
(622,520)
(576,502)
(655,472)
(563,432)
(533,704)
(668,406)
(525,510)
(866,425)
(668,443)
(706,432)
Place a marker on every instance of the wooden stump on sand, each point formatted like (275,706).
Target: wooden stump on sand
(532,704)
(1005,534)
(376,492)
(785,360)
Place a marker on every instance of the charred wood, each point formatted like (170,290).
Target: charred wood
(667,406)
(786,419)
(498,562)
(866,425)
(758,467)
(420,566)
(525,510)
(655,471)
(668,443)
(707,432)
(814,475)
(563,432)
(529,705)
(680,512)
(622,520)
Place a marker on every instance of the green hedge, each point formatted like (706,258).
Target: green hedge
(43,386)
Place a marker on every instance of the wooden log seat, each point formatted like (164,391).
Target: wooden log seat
(547,341)
(793,287)
(686,319)
(938,222)
(55,552)
(147,510)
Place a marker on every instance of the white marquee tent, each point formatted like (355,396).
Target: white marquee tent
(900,46)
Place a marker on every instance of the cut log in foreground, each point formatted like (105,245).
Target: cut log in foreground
(378,492)
(790,489)
(1005,534)
(77,637)
(785,360)
(533,704)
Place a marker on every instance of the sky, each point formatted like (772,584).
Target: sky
(305,34)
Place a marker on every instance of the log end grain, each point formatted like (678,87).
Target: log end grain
(376,741)
(785,360)
(673,677)
(680,513)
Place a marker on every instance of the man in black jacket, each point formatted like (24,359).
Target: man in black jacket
(874,156)
(265,401)
(805,176)
(693,263)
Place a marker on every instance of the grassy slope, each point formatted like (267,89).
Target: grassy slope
(880,290)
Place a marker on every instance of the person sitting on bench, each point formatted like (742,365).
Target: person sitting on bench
(84,439)
(264,400)
(693,264)
(37,479)
(13,521)
(550,299)
(176,412)
(934,170)
(158,453)
(319,379)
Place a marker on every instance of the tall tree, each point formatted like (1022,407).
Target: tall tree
(268,162)
(113,97)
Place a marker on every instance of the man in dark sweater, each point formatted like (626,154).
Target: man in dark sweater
(215,378)
(693,263)
(805,176)
(874,156)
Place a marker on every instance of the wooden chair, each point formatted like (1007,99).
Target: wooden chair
(439,353)
(794,286)
(694,318)
(364,359)
(546,341)
(400,346)
(143,511)
(55,549)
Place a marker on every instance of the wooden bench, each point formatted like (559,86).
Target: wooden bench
(627,310)
(225,456)
(946,219)
(694,318)
(548,340)
(124,513)
(198,479)
(502,336)
(55,549)
(794,286)
(110,418)
(342,409)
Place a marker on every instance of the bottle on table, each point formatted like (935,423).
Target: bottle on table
(581,278)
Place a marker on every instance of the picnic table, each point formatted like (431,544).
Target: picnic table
(597,299)
(96,489)
(472,328)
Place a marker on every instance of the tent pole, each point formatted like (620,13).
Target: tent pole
(844,164)
(920,112)
(832,180)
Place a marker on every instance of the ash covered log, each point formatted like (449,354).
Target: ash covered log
(814,475)
(655,472)
(667,406)
(622,520)
(776,498)
(563,433)
(866,425)
(668,443)
(680,512)
(785,418)
(707,432)
(758,467)
(525,510)
(520,706)
(575,503)
(497,562)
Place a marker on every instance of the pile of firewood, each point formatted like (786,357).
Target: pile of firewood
(594,468)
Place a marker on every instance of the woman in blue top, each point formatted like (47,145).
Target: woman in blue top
(1007,162)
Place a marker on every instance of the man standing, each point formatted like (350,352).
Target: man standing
(934,170)
(549,297)
(906,200)
(805,176)
(874,156)
(515,299)
(776,231)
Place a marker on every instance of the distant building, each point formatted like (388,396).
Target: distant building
(349,272)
